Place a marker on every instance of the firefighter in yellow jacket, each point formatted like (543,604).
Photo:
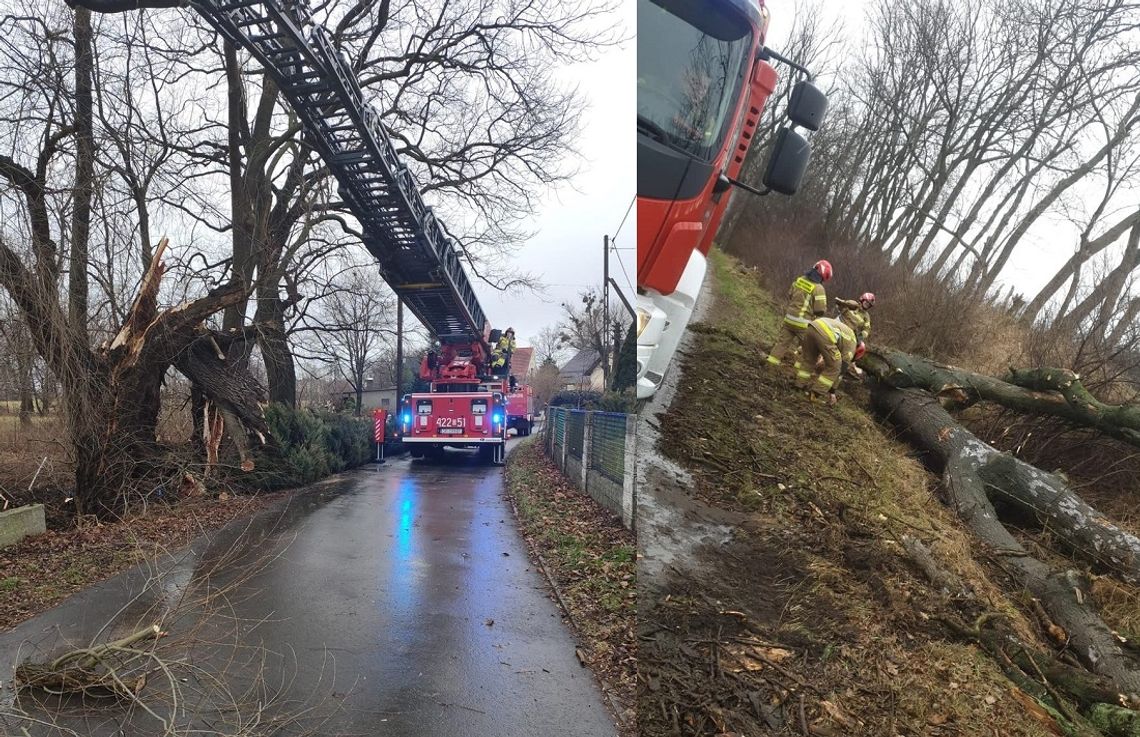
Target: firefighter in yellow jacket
(827,343)
(857,314)
(806,299)
(501,353)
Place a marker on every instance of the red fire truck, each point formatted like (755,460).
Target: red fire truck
(520,397)
(465,407)
(703,77)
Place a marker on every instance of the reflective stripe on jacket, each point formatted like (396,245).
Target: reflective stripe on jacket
(838,334)
(859,320)
(805,300)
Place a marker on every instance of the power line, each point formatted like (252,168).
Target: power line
(613,243)
(626,273)
(632,201)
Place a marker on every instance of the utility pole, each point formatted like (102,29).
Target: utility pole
(605,311)
(399,350)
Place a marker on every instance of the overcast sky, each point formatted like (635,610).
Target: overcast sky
(566,252)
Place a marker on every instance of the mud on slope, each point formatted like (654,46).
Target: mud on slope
(812,619)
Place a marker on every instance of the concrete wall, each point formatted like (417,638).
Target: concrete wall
(591,474)
(21,522)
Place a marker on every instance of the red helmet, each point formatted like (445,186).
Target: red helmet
(867,299)
(824,268)
(860,350)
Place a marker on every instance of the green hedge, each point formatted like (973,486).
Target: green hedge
(313,445)
(623,401)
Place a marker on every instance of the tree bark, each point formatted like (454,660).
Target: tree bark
(1051,391)
(84,174)
(973,472)
(118,392)
(1040,498)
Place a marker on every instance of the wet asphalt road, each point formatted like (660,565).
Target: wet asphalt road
(377,591)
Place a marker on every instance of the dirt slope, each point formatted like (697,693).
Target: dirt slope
(811,619)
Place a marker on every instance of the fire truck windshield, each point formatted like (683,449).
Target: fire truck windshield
(691,59)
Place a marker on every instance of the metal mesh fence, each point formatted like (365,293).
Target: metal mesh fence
(607,445)
(575,433)
(558,427)
(597,443)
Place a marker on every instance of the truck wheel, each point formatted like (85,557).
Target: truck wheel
(524,428)
(416,452)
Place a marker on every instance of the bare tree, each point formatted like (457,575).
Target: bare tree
(545,382)
(466,90)
(585,327)
(356,323)
(961,131)
(110,391)
(549,346)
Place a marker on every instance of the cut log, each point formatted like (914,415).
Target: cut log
(971,471)
(1047,391)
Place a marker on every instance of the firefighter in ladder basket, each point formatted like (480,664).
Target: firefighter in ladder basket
(501,353)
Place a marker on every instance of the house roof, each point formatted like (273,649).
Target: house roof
(520,361)
(581,365)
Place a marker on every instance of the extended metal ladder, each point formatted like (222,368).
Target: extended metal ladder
(416,257)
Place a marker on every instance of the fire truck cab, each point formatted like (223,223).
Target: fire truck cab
(703,79)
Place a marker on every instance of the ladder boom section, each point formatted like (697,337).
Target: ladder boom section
(416,257)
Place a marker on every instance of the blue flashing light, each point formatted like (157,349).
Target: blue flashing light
(407,419)
(497,417)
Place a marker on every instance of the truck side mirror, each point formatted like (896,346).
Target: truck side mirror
(807,105)
(789,160)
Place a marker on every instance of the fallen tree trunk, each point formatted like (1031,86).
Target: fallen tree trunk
(1037,497)
(972,471)
(1049,391)
(1036,670)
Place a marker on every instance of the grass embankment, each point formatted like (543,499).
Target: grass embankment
(591,558)
(813,620)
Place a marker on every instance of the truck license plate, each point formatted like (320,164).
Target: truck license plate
(451,431)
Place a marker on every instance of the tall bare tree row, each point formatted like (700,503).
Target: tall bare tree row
(959,134)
